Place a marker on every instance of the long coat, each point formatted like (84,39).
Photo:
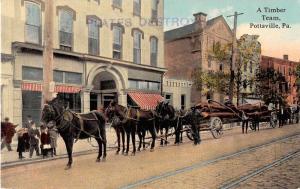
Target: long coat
(22,140)
(33,133)
(8,130)
(53,134)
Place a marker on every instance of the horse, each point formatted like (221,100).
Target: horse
(168,118)
(134,121)
(71,125)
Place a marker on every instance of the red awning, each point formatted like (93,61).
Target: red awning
(146,101)
(57,89)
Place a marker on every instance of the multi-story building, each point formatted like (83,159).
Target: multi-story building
(189,48)
(103,50)
(287,68)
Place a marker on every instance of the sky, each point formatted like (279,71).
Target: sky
(275,42)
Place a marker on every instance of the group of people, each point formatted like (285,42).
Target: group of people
(30,138)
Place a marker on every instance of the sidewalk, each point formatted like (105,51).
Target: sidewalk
(79,147)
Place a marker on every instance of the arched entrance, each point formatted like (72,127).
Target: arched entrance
(104,90)
(104,83)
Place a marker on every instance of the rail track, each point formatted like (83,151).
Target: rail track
(225,157)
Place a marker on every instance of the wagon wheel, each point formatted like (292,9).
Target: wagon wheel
(216,127)
(273,119)
(189,133)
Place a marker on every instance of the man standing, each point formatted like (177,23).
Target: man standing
(34,136)
(7,133)
(53,136)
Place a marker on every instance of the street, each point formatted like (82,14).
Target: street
(268,158)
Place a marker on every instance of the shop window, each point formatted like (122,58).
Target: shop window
(31,105)
(71,101)
(34,74)
(33,23)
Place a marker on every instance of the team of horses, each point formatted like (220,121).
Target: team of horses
(127,122)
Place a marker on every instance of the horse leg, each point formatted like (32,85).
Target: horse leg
(166,136)
(68,139)
(123,140)
(161,135)
(143,136)
(153,135)
(99,149)
(118,139)
(128,140)
(140,135)
(133,141)
(246,127)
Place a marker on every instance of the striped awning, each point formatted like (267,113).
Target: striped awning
(146,101)
(57,89)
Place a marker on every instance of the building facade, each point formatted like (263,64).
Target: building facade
(287,69)
(103,50)
(189,48)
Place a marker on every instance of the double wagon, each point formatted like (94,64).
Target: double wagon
(213,116)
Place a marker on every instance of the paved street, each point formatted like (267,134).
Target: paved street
(213,164)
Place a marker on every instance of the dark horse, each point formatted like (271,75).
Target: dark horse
(72,126)
(133,121)
(167,118)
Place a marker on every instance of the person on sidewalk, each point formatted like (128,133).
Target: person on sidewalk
(34,136)
(22,141)
(27,124)
(53,136)
(7,133)
(45,142)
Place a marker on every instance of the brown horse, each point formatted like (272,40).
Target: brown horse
(133,121)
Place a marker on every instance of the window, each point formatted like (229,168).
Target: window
(93,27)
(29,73)
(182,102)
(133,84)
(73,78)
(31,105)
(154,86)
(66,30)
(144,85)
(117,43)
(71,100)
(154,49)
(58,76)
(33,23)
(137,39)
(250,67)
(117,3)
(245,67)
(154,8)
(137,7)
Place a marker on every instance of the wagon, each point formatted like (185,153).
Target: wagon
(214,115)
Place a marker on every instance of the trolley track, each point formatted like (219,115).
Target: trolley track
(204,164)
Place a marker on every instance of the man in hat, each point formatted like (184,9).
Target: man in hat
(7,133)
(34,135)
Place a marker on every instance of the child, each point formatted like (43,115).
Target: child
(22,141)
(45,143)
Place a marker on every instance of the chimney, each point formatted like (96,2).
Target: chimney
(285,57)
(200,20)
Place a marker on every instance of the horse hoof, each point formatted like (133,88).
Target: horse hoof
(152,150)
(68,167)
(104,159)
(133,154)
(117,153)
(98,160)
(139,149)
(125,153)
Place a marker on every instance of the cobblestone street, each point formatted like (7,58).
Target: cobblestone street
(212,164)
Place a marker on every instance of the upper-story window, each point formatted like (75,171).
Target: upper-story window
(137,7)
(66,30)
(154,9)
(93,38)
(251,67)
(154,50)
(117,43)
(117,3)
(137,41)
(33,23)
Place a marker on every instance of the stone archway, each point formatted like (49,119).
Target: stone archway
(104,83)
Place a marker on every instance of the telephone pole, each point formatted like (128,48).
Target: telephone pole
(48,85)
(233,55)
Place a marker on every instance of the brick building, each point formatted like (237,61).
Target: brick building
(287,68)
(188,48)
